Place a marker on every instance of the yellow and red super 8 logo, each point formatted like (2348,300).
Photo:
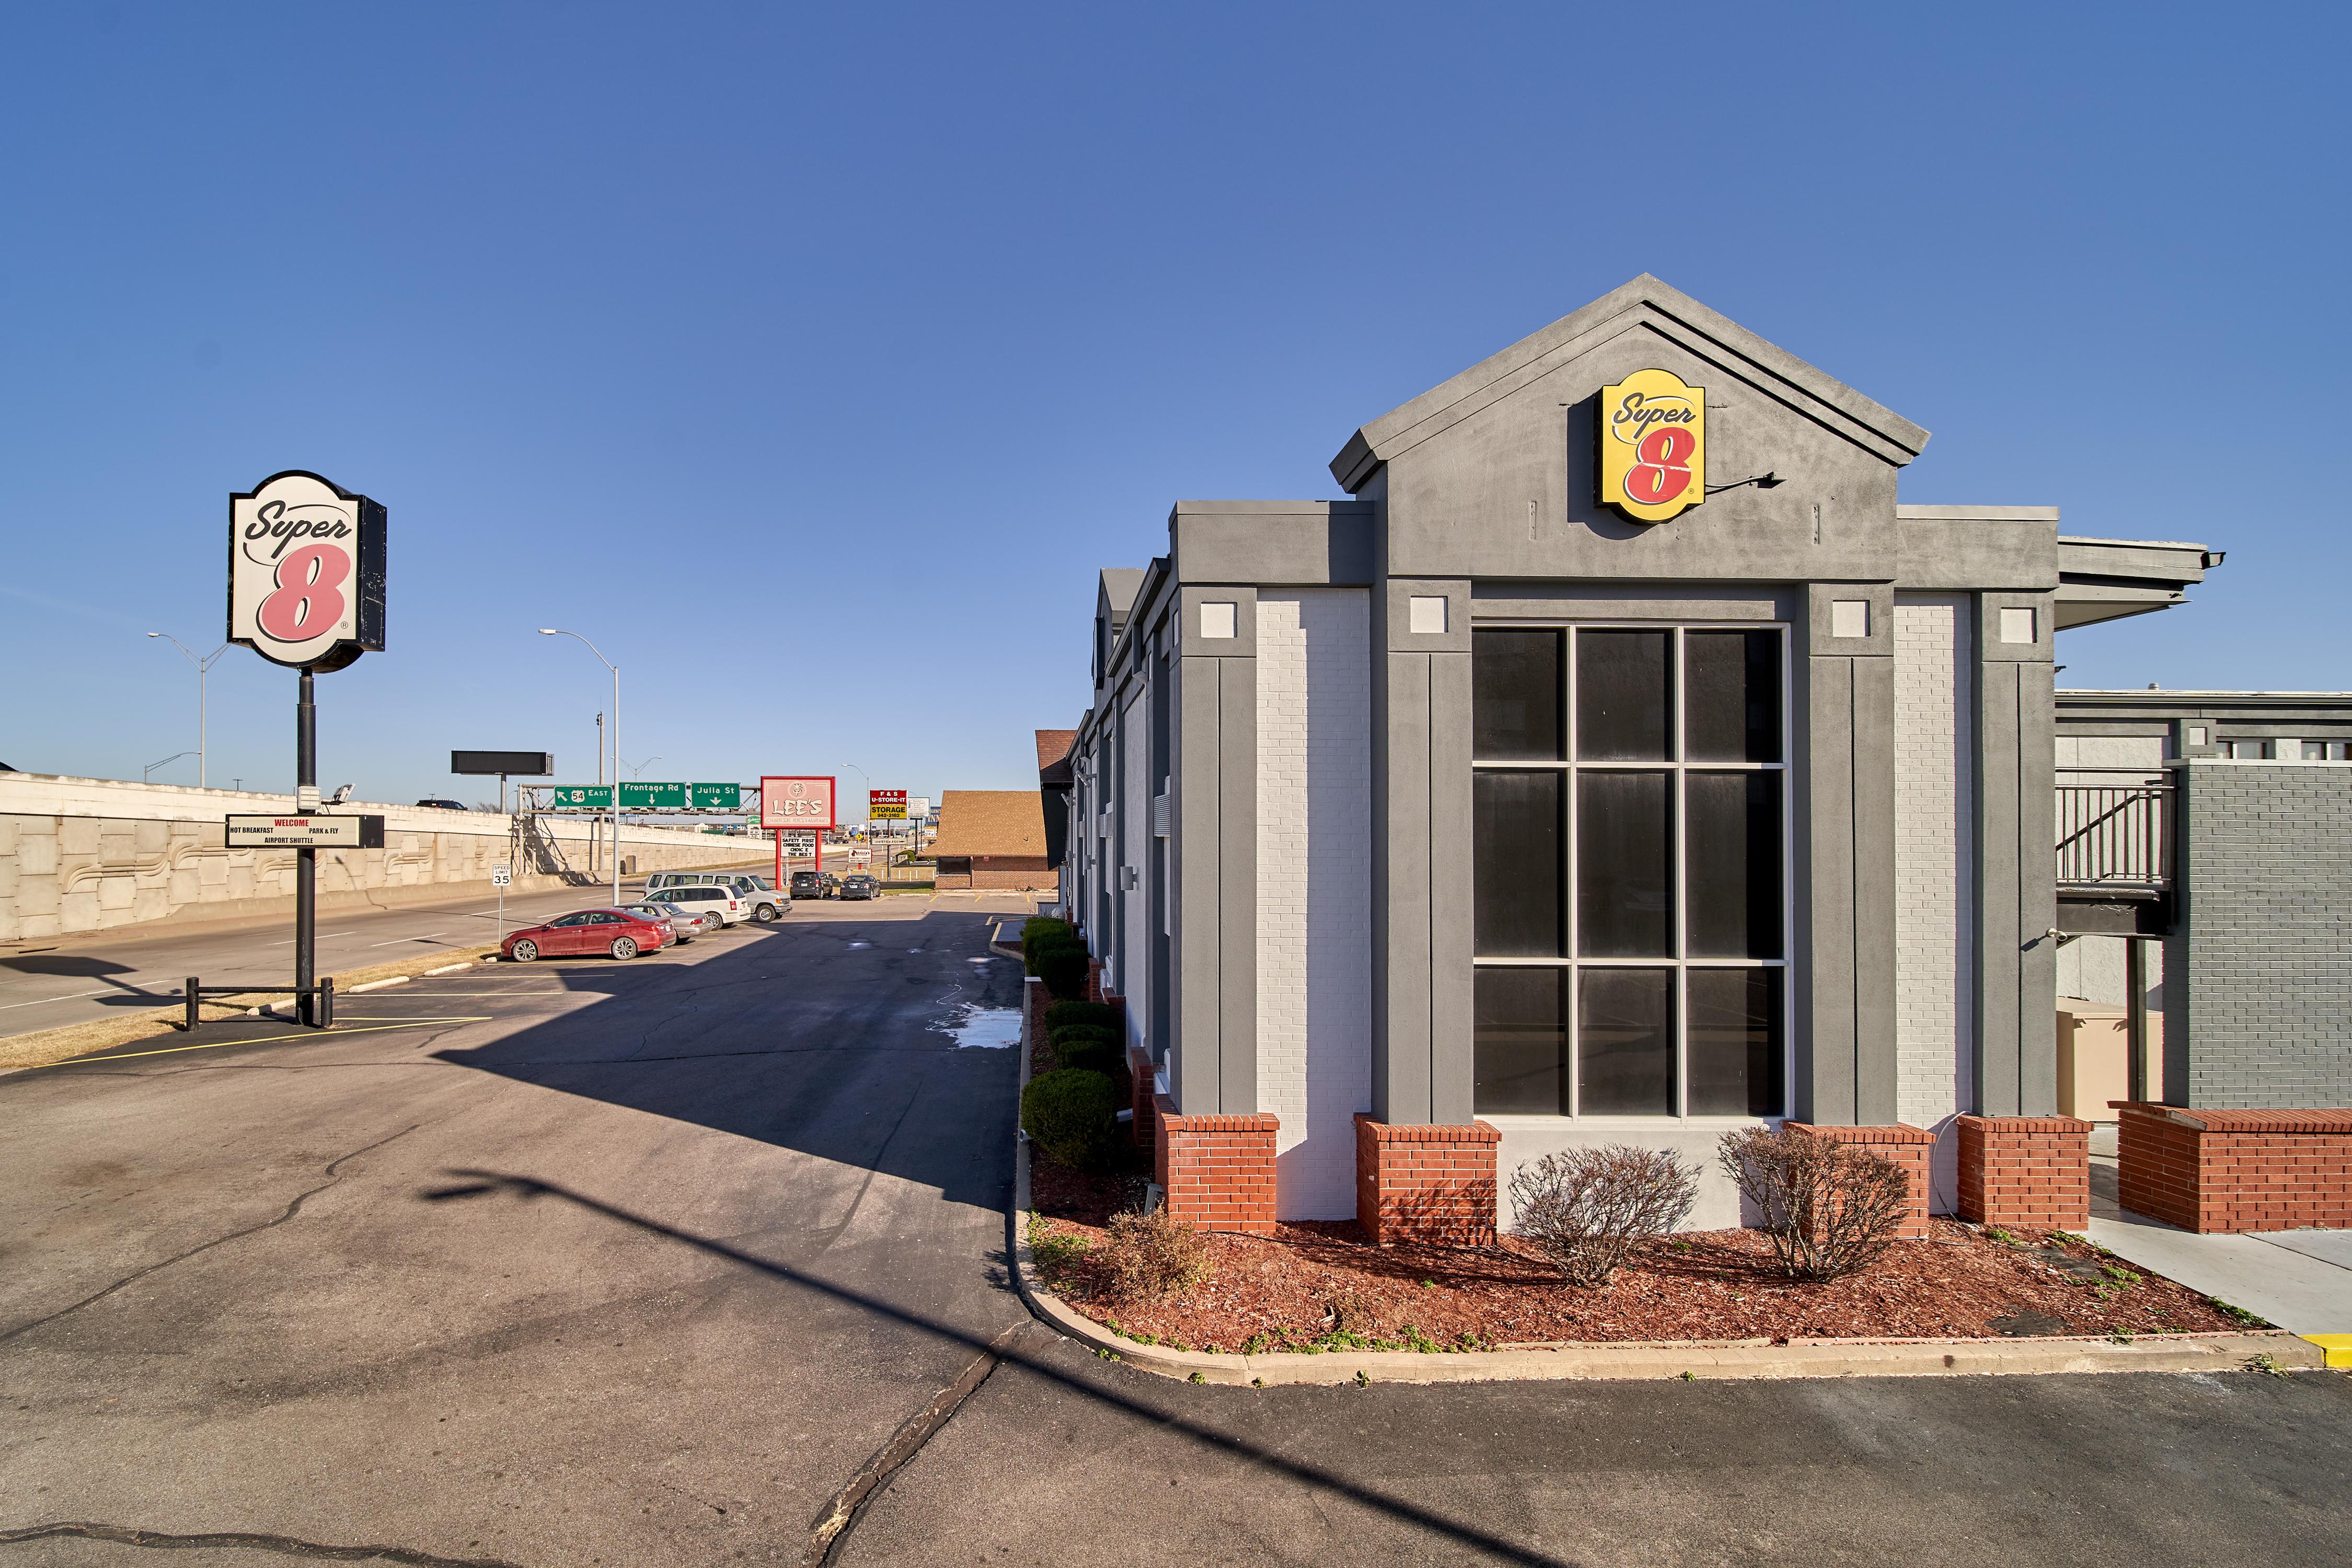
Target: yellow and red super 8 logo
(1653,445)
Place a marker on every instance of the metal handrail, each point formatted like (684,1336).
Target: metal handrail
(2115,836)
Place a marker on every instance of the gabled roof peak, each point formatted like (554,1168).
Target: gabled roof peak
(1648,302)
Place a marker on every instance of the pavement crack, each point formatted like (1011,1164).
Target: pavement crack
(291,1209)
(285,1545)
(831,1527)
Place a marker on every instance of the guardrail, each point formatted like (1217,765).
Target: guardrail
(2116,837)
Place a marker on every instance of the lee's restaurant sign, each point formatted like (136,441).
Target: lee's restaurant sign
(305,564)
(1653,445)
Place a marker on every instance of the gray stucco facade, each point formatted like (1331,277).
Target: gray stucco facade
(1298,682)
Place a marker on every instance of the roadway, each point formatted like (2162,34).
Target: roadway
(48,981)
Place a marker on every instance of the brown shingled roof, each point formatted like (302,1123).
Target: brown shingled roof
(991,822)
(1054,756)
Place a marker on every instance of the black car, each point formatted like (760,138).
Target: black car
(858,885)
(444,805)
(811,884)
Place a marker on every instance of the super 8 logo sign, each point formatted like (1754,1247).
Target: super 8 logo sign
(1653,445)
(306,571)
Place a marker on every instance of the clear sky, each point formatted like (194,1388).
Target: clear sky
(812,359)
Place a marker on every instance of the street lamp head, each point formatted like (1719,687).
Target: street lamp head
(543,631)
(154,634)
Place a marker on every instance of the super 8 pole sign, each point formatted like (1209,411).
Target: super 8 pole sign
(305,572)
(1653,445)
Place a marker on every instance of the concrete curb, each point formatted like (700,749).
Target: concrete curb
(1676,1360)
(451,968)
(380,985)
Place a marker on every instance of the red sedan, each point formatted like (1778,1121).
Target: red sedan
(616,931)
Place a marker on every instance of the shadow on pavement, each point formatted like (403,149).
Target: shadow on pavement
(815,1036)
(470,1185)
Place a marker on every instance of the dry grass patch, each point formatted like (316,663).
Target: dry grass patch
(46,1047)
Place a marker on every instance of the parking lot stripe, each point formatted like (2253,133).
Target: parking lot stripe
(266,1039)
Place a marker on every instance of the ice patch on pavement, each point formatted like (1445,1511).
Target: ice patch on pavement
(984,1028)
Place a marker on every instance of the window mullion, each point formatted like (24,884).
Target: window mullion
(1571,1070)
(1678,1001)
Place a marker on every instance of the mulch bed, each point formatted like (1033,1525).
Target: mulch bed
(1322,1283)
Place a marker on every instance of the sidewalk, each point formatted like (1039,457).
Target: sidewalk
(2299,1279)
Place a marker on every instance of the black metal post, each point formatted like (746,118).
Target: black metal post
(306,893)
(195,989)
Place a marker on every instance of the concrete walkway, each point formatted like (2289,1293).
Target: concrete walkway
(2299,1279)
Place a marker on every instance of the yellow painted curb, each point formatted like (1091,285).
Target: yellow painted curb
(2336,1348)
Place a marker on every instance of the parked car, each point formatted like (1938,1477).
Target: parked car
(858,885)
(758,893)
(620,932)
(444,805)
(685,924)
(815,885)
(708,897)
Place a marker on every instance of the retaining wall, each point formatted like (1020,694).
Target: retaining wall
(86,854)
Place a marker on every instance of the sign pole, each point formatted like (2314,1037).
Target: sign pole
(782,885)
(306,892)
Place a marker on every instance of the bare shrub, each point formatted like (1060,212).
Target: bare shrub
(1585,1208)
(1830,1208)
(1151,1256)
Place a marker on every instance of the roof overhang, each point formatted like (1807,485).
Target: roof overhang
(2108,579)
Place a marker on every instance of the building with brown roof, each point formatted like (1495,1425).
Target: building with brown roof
(1054,780)
(993,838)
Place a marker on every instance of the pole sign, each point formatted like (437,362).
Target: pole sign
(508,764)
(574,797)
(306,832)
(1653,445)
(306,570)
(714,796)
(798,846)
(886,804)
(502,875)
(796,801)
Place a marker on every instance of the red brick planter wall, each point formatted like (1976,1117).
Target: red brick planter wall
(1427,1183)
(1142,1098)
(1907,1146)
(2223,1171)
(2025,1170)
(1216,1171)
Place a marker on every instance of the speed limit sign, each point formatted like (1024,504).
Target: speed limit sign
(501,876)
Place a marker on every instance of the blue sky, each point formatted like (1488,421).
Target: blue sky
(810,360)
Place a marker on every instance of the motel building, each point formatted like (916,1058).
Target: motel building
(1620,761)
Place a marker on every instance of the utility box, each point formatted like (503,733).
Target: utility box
(2094,1058)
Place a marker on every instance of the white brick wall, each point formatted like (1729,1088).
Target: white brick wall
(1314,890)
(1935,854)
(1134,970)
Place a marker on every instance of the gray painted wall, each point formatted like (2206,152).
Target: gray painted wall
(2259,1014)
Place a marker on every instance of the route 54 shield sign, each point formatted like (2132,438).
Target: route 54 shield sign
(306,567)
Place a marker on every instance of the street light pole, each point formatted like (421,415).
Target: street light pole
(608,664)
(203,668)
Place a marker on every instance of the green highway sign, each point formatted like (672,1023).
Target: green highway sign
(599,796)
(714,796)
(652,796)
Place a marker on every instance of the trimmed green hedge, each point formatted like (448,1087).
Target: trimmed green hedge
(1063,971)
(1034,957)
(1088,1054)
(1072,1116)
(1092,1015)
(1042,929)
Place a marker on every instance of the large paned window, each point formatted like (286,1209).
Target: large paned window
(1631,849)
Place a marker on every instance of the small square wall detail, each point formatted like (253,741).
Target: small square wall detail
(1909,1147)
(2017,624)
(2026,1171)
(1218,621)
(1428,1183)
(1426,614)
(1850,618)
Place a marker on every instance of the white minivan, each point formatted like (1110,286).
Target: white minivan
(758,894)
(707,898)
